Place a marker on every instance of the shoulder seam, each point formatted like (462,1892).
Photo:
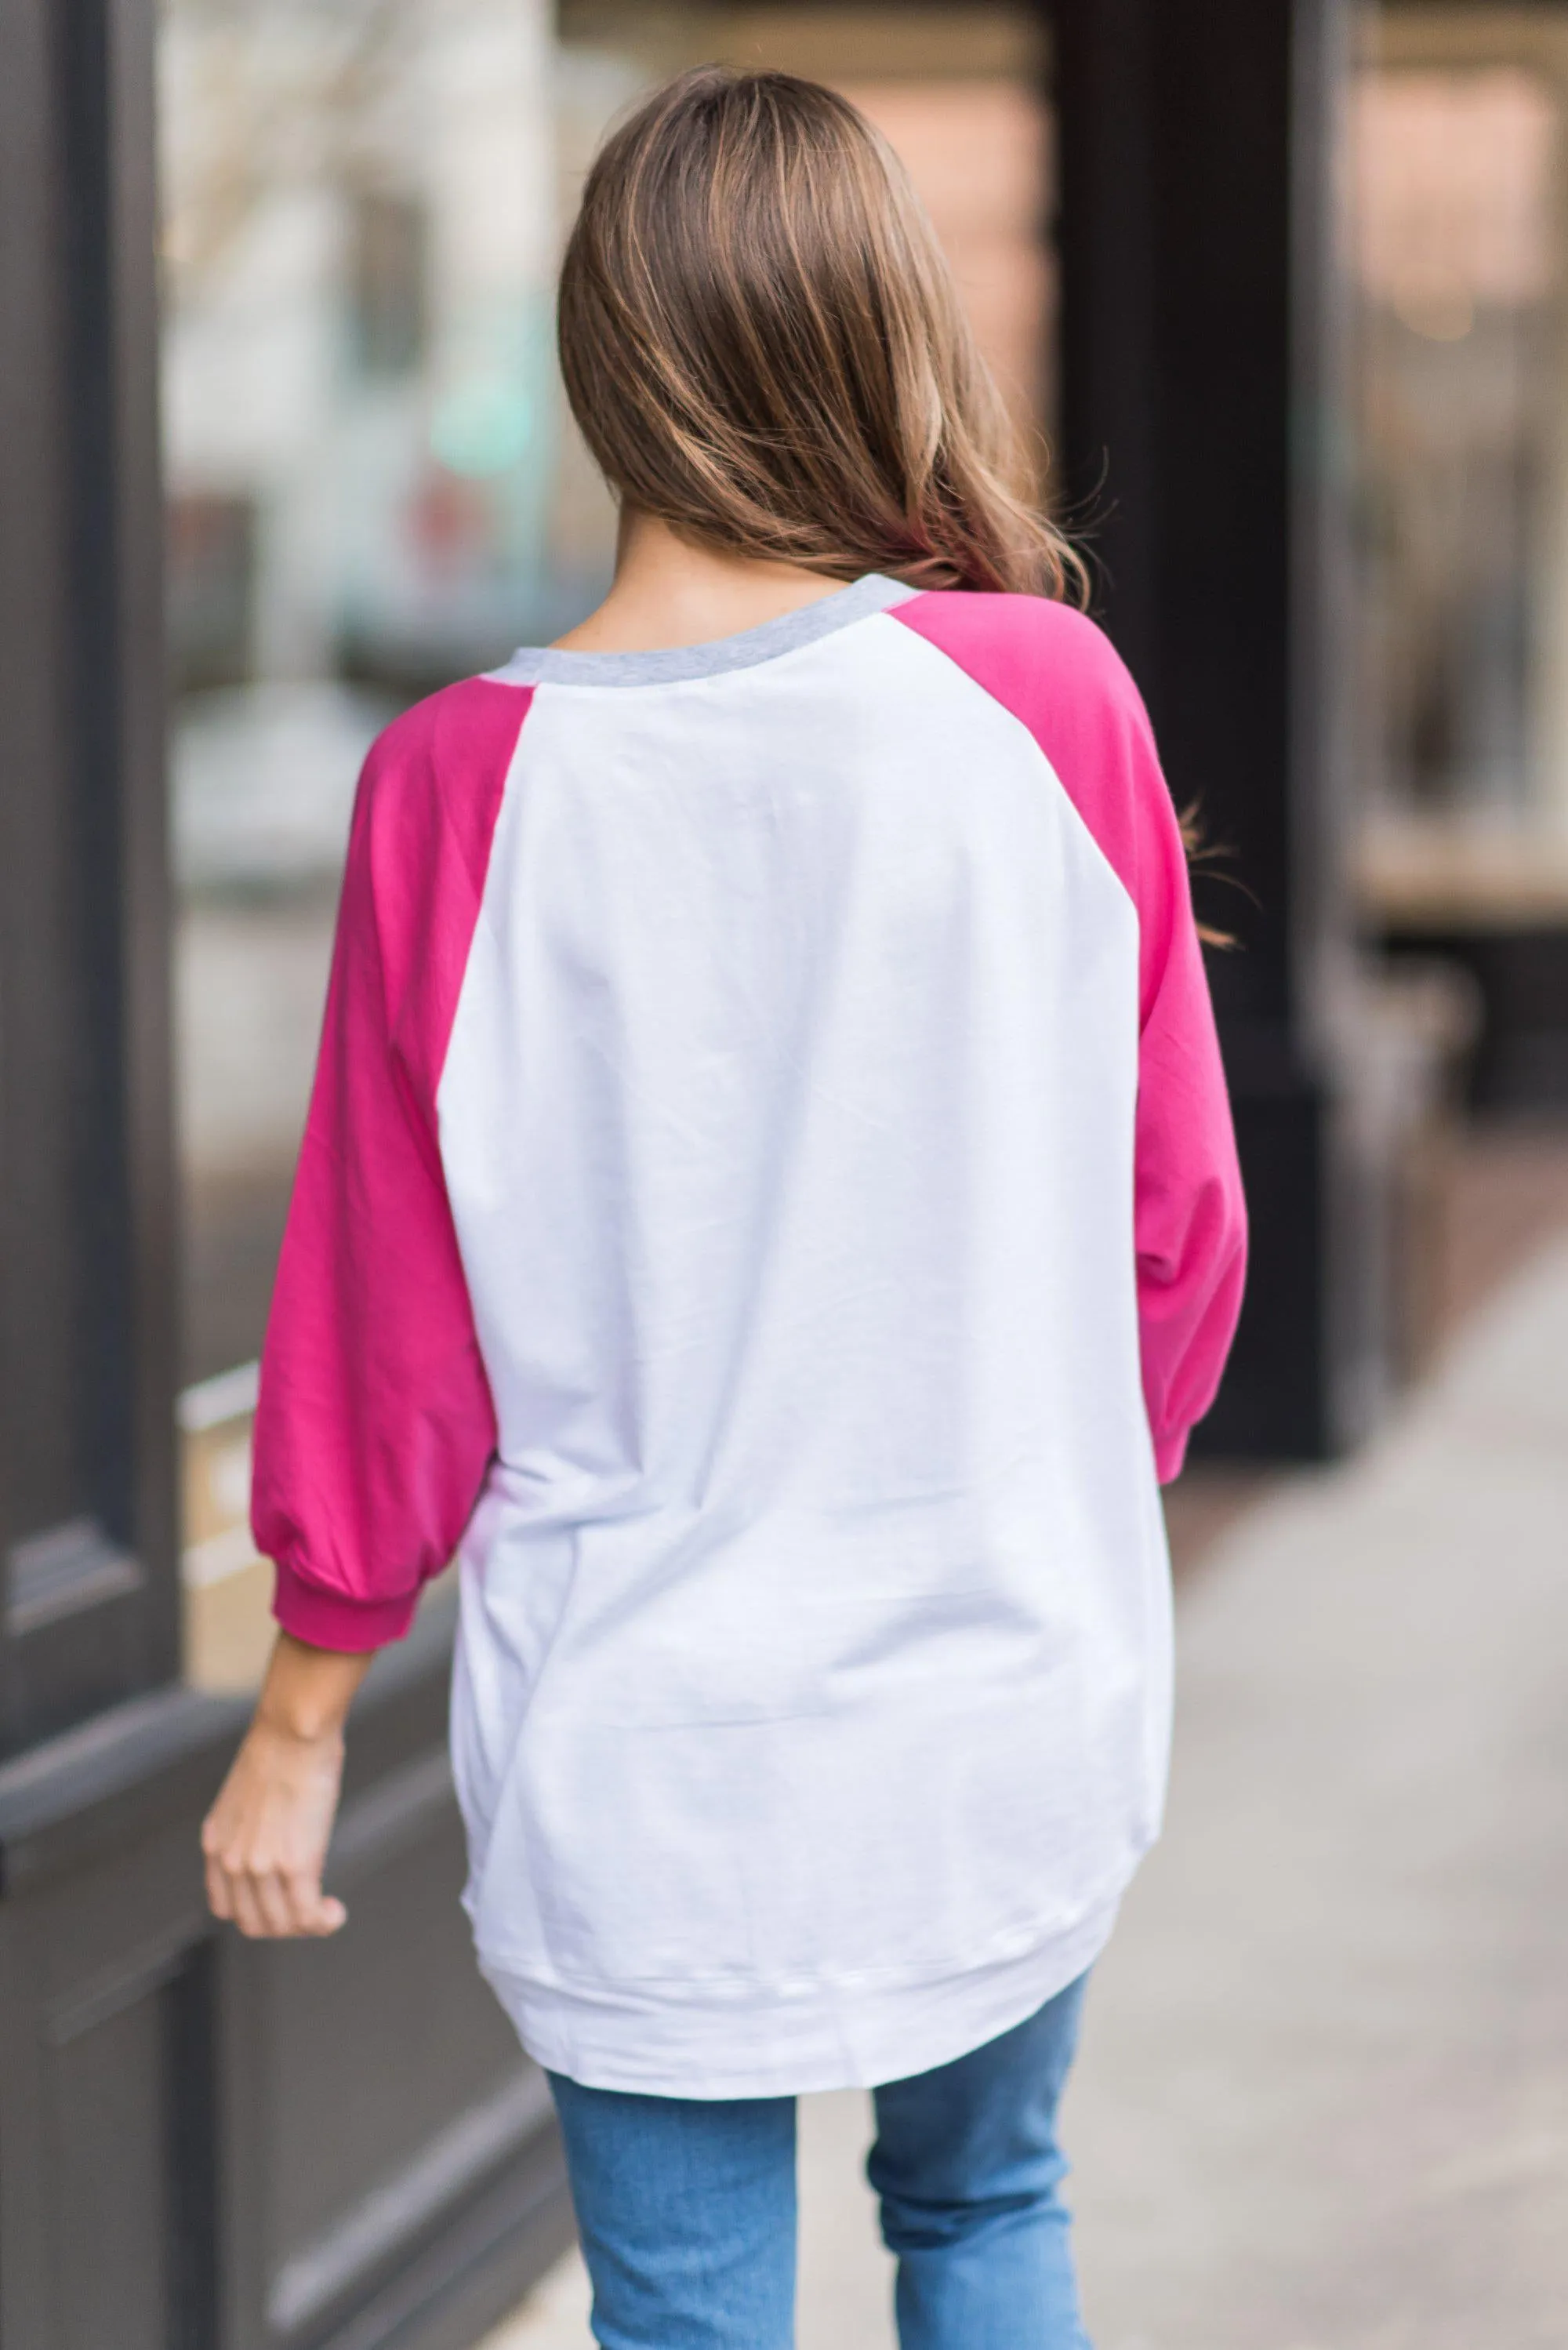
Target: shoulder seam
(437,771)
(1058,781)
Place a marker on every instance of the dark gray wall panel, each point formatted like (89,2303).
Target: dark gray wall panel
(109,2206)
(269,2147)
(189,2126)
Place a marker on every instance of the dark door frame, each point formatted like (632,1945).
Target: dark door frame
(1202,424)
(204,2144)
(88,1525)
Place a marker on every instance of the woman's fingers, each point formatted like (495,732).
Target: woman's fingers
(313,1912)
(265,1900)
(218,1900)
(271,1904)
(245,1910)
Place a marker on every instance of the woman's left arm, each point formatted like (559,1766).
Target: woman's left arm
(374,1426)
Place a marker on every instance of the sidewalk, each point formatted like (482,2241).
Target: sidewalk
(1324,2101)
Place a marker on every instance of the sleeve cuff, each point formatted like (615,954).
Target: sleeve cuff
(1169,1453)
(330,1619)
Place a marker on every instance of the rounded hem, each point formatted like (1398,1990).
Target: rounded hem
(833,2039)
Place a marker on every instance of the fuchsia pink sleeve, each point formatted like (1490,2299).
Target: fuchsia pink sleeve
(375,1426)
(1058,673)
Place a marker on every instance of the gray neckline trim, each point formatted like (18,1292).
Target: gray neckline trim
(544,665)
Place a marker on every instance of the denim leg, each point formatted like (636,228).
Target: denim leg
(687,2213)
(967,2167)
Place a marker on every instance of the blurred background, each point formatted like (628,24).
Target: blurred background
(1279,295)
(373,486)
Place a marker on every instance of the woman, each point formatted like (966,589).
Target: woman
(769,1205)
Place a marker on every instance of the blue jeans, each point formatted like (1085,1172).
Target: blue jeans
(687,2207)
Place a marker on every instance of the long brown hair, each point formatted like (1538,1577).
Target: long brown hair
(763,347)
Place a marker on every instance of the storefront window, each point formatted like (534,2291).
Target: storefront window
(1460,207)
(374,488)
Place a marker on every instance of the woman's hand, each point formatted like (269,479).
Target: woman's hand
(265,1839)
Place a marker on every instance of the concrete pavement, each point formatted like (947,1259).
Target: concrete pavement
(1323,2098)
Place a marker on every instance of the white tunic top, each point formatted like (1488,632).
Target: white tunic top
(770,1194)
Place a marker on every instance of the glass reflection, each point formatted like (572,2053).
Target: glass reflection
(374,488)
(1457,220)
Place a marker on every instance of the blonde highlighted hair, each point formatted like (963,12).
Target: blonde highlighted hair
(763,347)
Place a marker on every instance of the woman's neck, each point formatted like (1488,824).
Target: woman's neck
(667,592)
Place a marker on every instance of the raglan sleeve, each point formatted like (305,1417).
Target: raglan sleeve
(1059,674)
(1190,1214)
(374,1425)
